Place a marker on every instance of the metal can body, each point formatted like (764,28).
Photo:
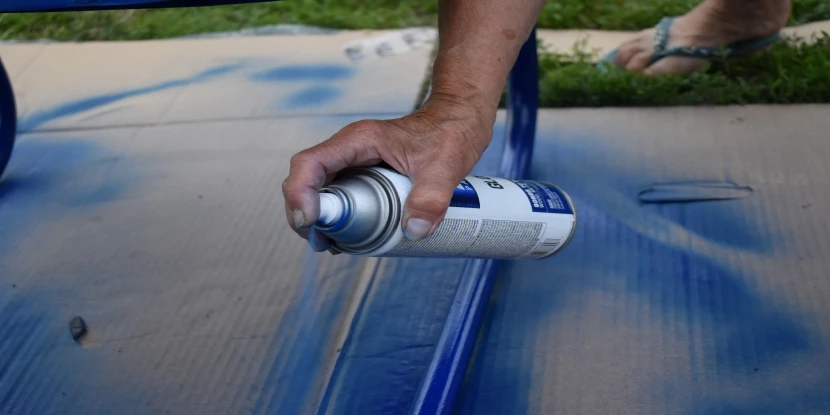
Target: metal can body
(488,218)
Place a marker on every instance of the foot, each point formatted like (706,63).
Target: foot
(714,23)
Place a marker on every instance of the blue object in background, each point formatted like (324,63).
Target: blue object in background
(19,6)
(8,118)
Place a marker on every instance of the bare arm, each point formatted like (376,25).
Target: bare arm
(479,43)
(438,145)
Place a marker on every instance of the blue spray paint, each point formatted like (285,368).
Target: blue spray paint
(313,96)
(645,252)
(316,80)
(308,72)
(38,354)
(399,322)
(303,338)
(42,117)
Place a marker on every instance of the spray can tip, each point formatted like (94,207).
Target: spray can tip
(331,209)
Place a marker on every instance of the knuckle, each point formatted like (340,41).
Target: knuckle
(287,186)
(300,158)
(364,128)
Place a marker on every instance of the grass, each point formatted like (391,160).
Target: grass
(790,72)
(346,14)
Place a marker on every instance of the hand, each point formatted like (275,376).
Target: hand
(436,146)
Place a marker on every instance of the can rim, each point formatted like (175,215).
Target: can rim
(393,218)
(576,222)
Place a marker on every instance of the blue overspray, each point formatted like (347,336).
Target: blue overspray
(626,249)
(42,117)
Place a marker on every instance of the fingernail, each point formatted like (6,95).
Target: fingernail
(299,218)
(416,229)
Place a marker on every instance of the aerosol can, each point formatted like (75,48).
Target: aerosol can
(488,217)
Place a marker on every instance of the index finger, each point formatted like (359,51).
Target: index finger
(311,169)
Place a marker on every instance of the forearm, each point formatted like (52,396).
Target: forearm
(478,45)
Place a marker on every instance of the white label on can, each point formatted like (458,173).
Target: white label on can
(498,218)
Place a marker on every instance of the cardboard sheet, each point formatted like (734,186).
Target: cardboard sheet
(103,84)
(707,307)
(144,197)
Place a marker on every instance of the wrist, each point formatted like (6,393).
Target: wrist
(468,107)
(457,118)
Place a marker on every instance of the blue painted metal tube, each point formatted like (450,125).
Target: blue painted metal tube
(20,6)
(8,118)
(453,352)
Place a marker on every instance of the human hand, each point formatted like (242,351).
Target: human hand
(436,146)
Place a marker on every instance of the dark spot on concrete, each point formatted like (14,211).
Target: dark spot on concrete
(77,328)
(737,120)
(119,350)
(806,205)
(207,315)
(14,285)
(756,369)
(509,34)
(200,196)
(63,393)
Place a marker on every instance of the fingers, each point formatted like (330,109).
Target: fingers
(429,199)
(353,146)
(316,240)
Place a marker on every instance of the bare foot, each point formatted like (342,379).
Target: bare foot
(713,23)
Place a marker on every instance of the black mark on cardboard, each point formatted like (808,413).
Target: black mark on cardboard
(693,191)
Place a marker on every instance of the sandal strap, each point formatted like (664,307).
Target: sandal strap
(662,48)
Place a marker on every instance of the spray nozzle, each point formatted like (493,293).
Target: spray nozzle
(331,209)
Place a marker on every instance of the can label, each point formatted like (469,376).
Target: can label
(465,196)
(498,218)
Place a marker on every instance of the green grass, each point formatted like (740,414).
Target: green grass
(791,72)
(346,14)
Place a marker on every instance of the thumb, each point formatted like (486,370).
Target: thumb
(427,203)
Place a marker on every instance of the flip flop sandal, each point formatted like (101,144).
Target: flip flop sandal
(662,48)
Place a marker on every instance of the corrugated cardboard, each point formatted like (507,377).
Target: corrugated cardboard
(144,197)
(709,307)
(148,203)
(104,84)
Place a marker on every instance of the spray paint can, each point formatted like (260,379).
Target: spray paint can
(491,218)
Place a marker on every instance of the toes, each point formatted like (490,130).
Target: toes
(675,65)
(627,51)
(638,62)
